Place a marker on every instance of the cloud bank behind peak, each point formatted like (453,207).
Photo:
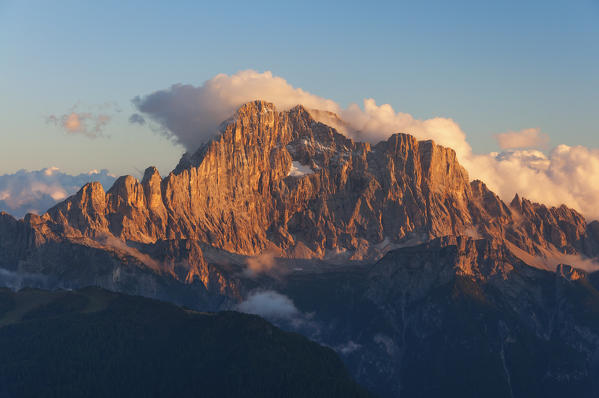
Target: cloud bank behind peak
(526,138)
(36,191)
(190,115)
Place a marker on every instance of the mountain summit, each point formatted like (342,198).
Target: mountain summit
(283,182)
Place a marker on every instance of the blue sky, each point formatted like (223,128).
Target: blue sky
(491,66)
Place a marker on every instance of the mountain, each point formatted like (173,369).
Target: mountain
(458,317)
(95,343)
(282,181)
(423,281)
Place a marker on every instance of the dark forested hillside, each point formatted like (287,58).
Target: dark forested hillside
(93,343)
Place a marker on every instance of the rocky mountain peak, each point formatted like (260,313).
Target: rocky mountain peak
(516,203)
(282,181)
(82,214)
(150,174)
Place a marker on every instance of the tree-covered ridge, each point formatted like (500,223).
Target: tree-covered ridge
(93,343)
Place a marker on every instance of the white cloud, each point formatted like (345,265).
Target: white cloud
(570,175)
(263,263)
(190,114)
(17,280)
(280,310)
(567,175)
(88,124)
(377,122)
(36,191)
(269,304)
(526,138)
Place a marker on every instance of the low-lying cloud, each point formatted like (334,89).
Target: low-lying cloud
(190,115)
(36,191)
(269,304)
(110,241)
(17,280)
(280,310)
(264,263)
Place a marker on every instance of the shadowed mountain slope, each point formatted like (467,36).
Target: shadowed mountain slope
(457,317)
(94,343)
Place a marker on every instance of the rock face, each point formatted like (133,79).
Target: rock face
(457,317)
(242,193)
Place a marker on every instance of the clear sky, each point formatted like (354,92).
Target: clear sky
(491,66)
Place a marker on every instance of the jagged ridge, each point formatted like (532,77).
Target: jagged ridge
(235,194)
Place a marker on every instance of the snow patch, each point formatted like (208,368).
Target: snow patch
(299,170)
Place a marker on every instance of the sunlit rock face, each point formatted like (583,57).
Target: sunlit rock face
(242,192)
(284,184)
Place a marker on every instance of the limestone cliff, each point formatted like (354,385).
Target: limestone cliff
(282,181)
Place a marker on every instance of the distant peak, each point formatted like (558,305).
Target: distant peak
(150,173)
(93,186)
(124,180)
(516,203)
